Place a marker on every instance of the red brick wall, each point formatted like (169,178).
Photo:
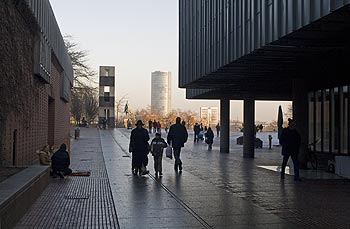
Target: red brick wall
(25,110)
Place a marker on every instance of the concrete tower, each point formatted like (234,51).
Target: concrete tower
(106,95)
(161,92)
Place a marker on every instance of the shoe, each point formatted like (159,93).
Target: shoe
(180,167)
(160,174)
(145,172)
(156,174)
(60,174)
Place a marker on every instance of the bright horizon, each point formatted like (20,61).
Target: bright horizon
(138,37)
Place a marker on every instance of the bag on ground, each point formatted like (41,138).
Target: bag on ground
(169,152)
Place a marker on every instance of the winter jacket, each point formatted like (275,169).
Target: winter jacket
(157,146)
(177,135)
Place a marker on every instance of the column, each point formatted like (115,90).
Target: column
(300,115)
(225,125)
(249,128)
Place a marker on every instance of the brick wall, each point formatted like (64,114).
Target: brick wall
(24,98)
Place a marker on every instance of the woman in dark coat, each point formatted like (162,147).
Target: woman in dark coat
(139,148)
(209,138)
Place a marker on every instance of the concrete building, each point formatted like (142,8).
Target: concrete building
(107,95)
(35,81)
(161,92)
(271,50)
(209,116)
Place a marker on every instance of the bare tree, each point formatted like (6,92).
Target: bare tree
(82,72)
(91,104)
(76,105)
(119,106)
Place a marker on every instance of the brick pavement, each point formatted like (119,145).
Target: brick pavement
(77,202)
(214,191)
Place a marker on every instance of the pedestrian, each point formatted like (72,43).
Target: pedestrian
(209,138)
(270,141)
(196,130)
(150,126)
(155,126)
(157,146)
(159,127)
(139,148)
(217,130)
(60,162)
(177,137)
(290,141)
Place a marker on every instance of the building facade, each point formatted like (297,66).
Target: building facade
(107,95)
(36,80)
(209,116)
(161,92)
(271,50)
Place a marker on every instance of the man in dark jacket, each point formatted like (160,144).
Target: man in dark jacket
(60,162)
(177,137)
(139,148)
(196,130)
(290,141)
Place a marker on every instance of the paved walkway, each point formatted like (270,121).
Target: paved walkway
(214,191)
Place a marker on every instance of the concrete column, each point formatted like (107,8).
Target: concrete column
(249,128)
(300,115)
(225,125)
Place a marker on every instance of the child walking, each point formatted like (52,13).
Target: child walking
(157,146)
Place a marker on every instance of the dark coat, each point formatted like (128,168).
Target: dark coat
(209,137)
(139,146)
(290,141)
(196,129)
(60,159)
(157,146)
(177,135)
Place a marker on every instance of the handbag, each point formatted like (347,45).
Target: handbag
(169,152)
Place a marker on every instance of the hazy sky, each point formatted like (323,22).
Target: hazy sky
(137,37)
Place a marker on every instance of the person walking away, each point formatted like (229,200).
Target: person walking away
(139,148)
(217,130)
(159,127)
(177,137)
(196,130)
(150,126)
(155,126)
(290,141)
(157,146)
(270,141)
(60,162)
(209,138)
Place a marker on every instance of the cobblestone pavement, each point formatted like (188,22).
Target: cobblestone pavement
(214,191)
(77,202)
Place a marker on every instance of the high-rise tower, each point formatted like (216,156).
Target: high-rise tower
(161,92)
(106,95)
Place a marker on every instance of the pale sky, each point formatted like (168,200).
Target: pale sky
(137,37)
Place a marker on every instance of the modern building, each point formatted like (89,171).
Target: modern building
(107,95)
(209,116)
(35,82)
(271,50)
(161,92)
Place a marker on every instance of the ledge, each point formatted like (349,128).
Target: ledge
(19,192)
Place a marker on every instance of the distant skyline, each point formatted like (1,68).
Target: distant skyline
(138,37)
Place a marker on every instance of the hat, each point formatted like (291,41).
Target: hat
(139,122)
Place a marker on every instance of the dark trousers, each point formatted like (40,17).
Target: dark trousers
(65,171)
(196,137)
(295,163)
(158,163)
(178,162)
